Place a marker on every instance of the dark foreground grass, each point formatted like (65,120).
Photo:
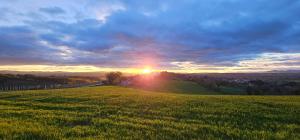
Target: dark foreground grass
(122,113)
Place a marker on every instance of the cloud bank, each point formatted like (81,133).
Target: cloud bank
(191,35)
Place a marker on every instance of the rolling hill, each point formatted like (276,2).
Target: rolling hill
(186,87)
(176,86)
(124,113)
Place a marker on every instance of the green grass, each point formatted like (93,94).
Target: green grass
(124,113)
(232,91)
(179,86)
(188,87)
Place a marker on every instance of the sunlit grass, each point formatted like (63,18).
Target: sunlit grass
(124,113)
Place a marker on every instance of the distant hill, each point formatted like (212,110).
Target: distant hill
(286,71)
(175,86)
(183,87)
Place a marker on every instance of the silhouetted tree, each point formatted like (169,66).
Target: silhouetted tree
(114,78)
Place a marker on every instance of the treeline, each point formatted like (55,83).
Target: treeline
(28,82)
(262,86)
(259,87)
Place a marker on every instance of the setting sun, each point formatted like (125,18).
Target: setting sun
(146,71)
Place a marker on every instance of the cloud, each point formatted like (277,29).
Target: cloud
(262,63)
(200,34)
(18,44)
(270,61)
(52,10)
(105,11)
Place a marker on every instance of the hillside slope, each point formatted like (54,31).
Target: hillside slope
(184,87)
(176,86)
(124,113)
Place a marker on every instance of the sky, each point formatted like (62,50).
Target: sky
(130,35)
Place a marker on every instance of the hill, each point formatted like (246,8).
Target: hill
(175,86)
(186,87)
(125,113)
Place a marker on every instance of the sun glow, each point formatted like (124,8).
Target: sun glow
(146,71)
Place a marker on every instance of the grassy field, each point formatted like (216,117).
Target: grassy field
(124,113)
(178,86)
(188,87)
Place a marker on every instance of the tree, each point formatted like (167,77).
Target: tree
(113,78)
